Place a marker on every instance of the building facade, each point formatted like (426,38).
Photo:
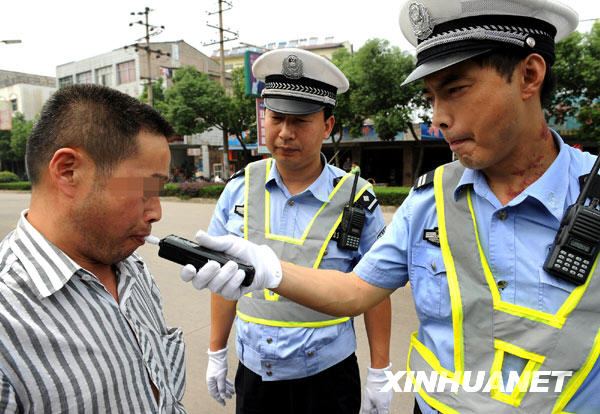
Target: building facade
(325,47)
(25,93)
(127,68)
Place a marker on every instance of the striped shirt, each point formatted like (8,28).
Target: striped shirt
(67,346)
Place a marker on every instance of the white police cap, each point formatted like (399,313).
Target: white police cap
(447,32)
(298,82)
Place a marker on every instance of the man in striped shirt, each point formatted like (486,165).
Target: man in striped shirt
(81,321)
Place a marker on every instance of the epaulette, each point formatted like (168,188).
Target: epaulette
(367,200)
(424,180)
(237,174)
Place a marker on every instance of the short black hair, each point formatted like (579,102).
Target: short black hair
(102,121)
(506,60)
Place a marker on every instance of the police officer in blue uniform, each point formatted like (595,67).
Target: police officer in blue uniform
(473,236)
(293,359)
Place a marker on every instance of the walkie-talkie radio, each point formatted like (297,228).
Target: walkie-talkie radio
(352,223)
(183,251)
(578,239)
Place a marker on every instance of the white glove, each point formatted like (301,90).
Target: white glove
(219,387)
(226,280)
(375,401)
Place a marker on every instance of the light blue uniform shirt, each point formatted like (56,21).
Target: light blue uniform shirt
(515,239)
(294,352)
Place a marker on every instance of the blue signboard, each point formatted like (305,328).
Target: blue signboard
(430,132)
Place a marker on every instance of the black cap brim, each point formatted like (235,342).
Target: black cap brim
(292,106)
(440,63)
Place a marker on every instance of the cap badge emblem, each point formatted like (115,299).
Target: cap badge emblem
(292,67)
(420,20)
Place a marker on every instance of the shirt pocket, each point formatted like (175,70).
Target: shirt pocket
(174,349)
(235,225)
(429,283)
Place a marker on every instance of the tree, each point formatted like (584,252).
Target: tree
(577,93)
(19,135)
(158,97)
(195,102)
(241,114)
(376,72)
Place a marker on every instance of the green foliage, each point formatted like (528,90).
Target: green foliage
(7,177)
(19,185)
(375,73)
(200,189)
(391,196)
(577,93)
(158,98)
(19,135)
(170,189)
(242,108)
(195,102)
(6,152)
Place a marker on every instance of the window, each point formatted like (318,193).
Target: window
(104,76)
(126,72)
(84,77)
(66,81)
(13,104)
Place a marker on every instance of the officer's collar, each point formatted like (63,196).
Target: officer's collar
(320,188)
(550,189)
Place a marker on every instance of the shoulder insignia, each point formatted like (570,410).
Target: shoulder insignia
(424,180)
(367,201)
(237,174)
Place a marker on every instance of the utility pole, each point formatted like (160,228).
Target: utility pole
(221,42)
(151,30)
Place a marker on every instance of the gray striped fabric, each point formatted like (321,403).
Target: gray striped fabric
(66,345)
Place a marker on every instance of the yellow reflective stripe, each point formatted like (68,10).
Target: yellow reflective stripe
(267,200)
(335,226)
(432,359)
(271,296)
(518,351)
(556,321)
(577,379)
(443,408)
(246,190)
(455,300)
(576,295)
(292,240)
(284,324)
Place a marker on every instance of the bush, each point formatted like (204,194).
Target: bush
(200,189)
(391,196)
(8,177)
(18,185)
(170,189)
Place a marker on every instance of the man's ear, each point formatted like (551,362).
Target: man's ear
(329,123)
(67,169)
(533,72)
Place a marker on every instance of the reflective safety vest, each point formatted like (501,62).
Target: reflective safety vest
(486,328)
(266,307)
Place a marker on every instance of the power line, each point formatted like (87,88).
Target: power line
(151,30)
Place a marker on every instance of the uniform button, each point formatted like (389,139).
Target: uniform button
(291,203)
(242,228)
(310,353)
(269,373)
(502,215)
(433,266)
(269,340)
(268,365)
(325,253)
(502,284)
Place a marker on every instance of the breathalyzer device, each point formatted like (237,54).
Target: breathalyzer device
(183,251)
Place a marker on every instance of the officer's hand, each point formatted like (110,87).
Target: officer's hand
(219,387)
(375,401)
(226,280)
